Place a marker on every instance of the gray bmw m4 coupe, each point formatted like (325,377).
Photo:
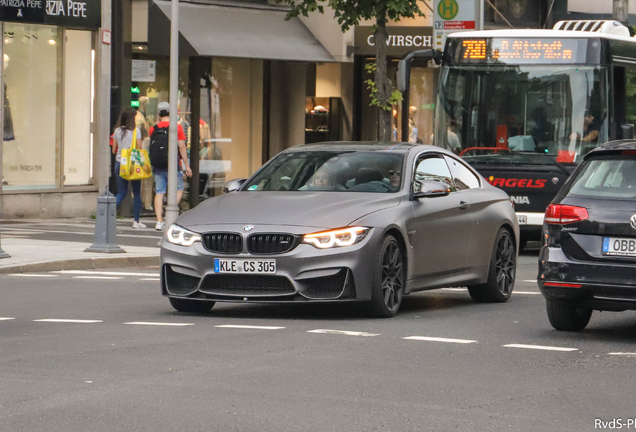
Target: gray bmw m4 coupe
(344,222)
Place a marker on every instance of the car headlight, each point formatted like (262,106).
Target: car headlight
(336,238)
(181,236)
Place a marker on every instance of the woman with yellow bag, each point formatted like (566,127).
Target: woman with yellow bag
(123,140)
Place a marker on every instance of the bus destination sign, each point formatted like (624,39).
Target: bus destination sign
(522,51)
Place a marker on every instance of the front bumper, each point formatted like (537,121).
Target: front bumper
(303,274)
(586,284)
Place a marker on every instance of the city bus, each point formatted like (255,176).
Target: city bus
(524,106)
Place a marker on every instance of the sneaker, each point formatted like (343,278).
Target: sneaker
(159,226)
(138,225)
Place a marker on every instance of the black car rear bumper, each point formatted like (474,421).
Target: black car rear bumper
(589,284)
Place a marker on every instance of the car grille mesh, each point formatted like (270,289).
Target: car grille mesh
(270,243)
(180,284)
(247,285)
(325,287)
(223,242)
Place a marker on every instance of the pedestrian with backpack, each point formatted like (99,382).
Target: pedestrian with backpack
(158,153)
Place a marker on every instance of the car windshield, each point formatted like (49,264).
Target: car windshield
(522,114)
(606,178)
(330,171)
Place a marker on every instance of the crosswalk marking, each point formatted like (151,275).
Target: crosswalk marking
(621,354)
(68,321)
(540,347)
(34,275)
(159,324)
(6,319)
(343,332)
(438,339)
(249,327)
(151,279)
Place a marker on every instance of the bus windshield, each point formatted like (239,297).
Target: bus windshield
(522,114)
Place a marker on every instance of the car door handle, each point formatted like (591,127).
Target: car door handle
(463,205)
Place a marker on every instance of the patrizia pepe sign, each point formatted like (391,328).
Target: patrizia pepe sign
(82,14)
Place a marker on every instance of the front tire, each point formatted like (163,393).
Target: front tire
(501,275)
(388,280)
(185,305)
(567,318)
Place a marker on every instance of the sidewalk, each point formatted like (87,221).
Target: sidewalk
(38,255)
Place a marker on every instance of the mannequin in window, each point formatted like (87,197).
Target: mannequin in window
(7,133)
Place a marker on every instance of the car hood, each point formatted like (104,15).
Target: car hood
(321,210)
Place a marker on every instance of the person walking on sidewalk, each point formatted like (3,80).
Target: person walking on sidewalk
(122,139)
(158,153)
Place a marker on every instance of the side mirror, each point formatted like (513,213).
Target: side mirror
(404,66)
(429,189)
(233,185)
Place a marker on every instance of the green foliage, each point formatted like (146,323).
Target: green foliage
(349,13)
(396,96)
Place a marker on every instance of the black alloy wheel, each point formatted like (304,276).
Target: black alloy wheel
(389,279)
(501,275)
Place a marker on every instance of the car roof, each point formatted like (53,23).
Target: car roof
(378,146)
(613,147)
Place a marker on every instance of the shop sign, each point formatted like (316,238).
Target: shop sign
(82,14)
(451,16)
(400,40)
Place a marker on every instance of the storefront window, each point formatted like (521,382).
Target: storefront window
(31,141)
(49,88)
(231,122)
(78,81)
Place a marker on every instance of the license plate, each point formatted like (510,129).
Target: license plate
(618,246)
(523,220)
(244,266)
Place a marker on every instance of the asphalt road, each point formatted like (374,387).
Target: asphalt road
(443,364)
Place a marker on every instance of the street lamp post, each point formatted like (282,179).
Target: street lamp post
(3,254)
(172,209)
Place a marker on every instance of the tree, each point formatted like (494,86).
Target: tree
(349,13)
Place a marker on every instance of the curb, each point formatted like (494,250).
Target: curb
(84,264)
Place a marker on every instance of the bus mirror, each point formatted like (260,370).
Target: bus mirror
(627,131)
(404,67)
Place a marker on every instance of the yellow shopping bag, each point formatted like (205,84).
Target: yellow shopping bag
(135,163)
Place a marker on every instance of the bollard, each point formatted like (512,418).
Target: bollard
(106,225)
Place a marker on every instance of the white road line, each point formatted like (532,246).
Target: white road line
(514,292)
(343,332)
(150,279)
(78,233)
(103,273)
(6,319)
(615,353)
(437,339)
(69,321)
(98,277)
(539,347)
(529,280)
(249,327)
(34,275)
(160,324)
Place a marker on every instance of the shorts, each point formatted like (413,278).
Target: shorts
(161,180)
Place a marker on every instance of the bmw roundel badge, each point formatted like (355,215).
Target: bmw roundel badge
(248,228)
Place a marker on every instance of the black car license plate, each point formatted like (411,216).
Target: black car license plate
(619,246)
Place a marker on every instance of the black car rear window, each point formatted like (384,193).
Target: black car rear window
(611,178)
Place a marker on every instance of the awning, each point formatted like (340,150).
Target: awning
(227,31)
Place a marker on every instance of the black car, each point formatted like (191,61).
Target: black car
(588,257)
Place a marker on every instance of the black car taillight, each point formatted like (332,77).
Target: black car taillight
(560,214)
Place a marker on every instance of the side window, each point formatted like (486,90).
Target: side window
(464,178)
(434,168)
